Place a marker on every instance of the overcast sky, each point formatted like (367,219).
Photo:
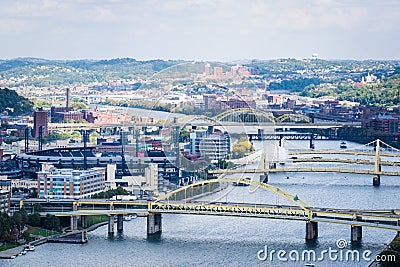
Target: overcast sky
(222,30)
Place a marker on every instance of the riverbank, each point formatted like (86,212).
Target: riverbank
(388,252)
(14,252)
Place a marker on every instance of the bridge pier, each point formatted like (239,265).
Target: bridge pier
(111,227)
(84,236)
(74,223)
(260,134)
(311,230)
(356,233)
(120,223)
(281,141)
(376,181)
(154,224)
(83,221)
(312,145)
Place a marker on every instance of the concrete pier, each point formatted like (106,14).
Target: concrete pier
(260,134)
(120,223)
(74,223)
(311,230)
(111,227)
(312,145)
(83,221)
(154,225)
(356,233)
(376,181)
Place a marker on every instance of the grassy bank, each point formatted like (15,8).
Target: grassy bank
(391,256)
(8,246)
(42,232)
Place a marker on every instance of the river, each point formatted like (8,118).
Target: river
(226,241)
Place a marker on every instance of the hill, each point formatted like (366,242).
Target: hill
(13,103)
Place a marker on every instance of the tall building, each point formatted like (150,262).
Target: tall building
(210,102)
(207,69)
(69,183)
(210,145)
(40,118)
(142,178)
(218,71)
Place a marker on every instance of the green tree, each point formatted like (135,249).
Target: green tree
(5,226)
(26,235)
(78,105)
(13,103)
(34,219)
(52,222)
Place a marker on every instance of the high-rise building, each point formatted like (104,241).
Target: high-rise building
(207,67)
(218,71)
(40,118)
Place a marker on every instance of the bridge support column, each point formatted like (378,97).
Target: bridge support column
(111,226)
(84,236)
(281,141)
(154,224)
(83,221)
(376,181)
(120,223)
(260,134)
(356,233)
(74,223)
(312,145)
(311,230)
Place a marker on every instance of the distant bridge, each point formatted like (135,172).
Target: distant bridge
(228,118)
(370,149)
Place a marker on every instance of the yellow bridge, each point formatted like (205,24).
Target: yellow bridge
(186,200)
(305,169)
(374,149)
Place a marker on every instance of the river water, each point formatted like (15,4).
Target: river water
(226,241)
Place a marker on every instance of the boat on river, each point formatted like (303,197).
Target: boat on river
(343,145)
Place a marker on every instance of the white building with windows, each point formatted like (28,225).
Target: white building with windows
(69,183)
(213,146)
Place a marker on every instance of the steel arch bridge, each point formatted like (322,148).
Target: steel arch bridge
(246,115)
(251,115)
(297,118)
(190,190)
(178,202)
(189,118)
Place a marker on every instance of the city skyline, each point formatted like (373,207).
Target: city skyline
(199,30)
